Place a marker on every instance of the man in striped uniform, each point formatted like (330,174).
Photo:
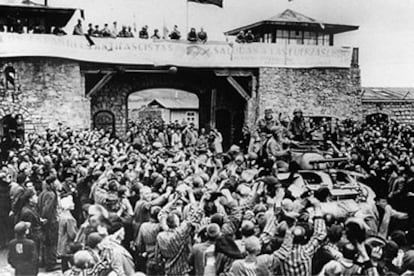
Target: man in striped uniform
(174,244)
(147,239)
(299,261)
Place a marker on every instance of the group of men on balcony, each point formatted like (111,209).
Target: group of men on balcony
(193,35)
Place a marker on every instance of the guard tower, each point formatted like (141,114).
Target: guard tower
(29,17)
(290,27)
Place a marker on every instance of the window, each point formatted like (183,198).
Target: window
(323,39)
(296,37)
(190,117)
(267,38)
(310,38)
(282,36)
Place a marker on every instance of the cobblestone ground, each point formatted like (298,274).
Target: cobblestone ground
(7,270)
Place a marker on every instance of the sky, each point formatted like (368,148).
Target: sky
(385,37)
(143,97)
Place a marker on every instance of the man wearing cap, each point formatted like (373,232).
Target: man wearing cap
(22,255)
(202,254)
(299,260)
(48,203)
(67,230)
(272,149)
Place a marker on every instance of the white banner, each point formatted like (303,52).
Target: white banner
(134,51)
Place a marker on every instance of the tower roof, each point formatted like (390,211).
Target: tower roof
(292,20)
(56,16)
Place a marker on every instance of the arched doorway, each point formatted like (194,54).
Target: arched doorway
(377,118)
(11,134)
(167,105)
(12,125)
(104,120)
(213,92)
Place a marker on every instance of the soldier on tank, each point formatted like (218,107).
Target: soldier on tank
(297,127)
(265,124)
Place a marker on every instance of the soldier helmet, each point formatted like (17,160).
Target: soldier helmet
(268,111)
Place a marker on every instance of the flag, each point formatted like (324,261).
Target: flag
(165,30)
(218,3)
(82,14)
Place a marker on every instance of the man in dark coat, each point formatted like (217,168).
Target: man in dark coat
(48,203)
(5,208)
(22,255)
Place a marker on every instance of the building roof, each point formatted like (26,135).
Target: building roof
(175,103)
(388,94)
(55,16)
(293,20)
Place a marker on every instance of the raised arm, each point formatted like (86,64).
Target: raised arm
(319,232)
(284,250)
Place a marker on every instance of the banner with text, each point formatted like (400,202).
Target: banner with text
(134,51)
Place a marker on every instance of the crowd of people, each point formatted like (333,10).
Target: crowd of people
(107,31)
(128,31)
(17,26)
(167,199)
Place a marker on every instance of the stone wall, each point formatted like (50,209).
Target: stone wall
(53,91)
(402,112)
(50,91)
(316,91)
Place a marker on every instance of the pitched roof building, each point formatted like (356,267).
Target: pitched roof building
(292,26)
(396,103)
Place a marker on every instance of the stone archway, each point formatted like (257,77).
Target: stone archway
(104,120)
(114,95)
(213,90)
(8,109)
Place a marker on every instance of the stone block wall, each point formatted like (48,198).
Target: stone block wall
(50,91)
(402,112)
(330,91)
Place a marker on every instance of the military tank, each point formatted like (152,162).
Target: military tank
(314,173)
